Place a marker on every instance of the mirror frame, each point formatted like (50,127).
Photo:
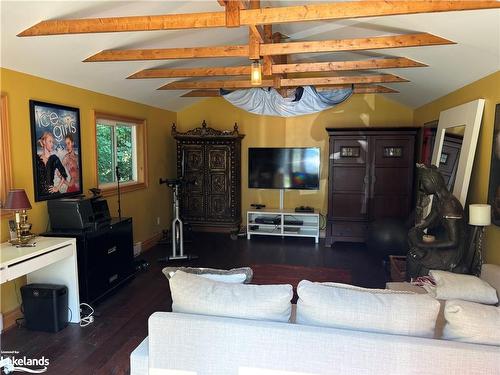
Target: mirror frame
(470,115)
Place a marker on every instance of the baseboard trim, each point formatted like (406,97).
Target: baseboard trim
(151,242)
(9,318)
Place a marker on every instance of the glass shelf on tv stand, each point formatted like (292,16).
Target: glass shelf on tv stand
(308,228)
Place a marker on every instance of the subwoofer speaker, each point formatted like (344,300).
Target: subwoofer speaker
(45,307)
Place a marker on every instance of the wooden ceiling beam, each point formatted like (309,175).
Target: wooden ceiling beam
(169,53)
(398,62)
(396,41)
(375,89)
(284,82)
(201,94)
(357,44)
(225,84)
(263,16)
(192,72)
(332,66)
(339,80)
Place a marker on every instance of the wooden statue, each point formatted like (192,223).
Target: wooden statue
(444,246)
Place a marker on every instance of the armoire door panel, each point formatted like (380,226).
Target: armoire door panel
(193,207)
(390,181)
(349,229)
(348,150)
(349,206)
(349,179)
(193,158)
(396,206)
(218,207)
(195,182)
(218,157)
(218,183)
(394,152)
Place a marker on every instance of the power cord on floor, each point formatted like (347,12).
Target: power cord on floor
(89,318)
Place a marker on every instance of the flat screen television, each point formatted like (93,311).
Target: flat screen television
(283,168)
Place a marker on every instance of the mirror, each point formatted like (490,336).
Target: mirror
(450,153)
(461,122)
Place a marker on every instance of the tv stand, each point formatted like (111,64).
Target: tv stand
(308,228)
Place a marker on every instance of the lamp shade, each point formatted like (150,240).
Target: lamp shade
(256,73)
(480,214)
(17,200)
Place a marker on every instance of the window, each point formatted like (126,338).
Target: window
(5,163)
(121,147)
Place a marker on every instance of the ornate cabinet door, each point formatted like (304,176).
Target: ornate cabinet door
(210,161)
(219,177)
(193,201)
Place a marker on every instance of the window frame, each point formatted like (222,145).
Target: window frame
(140,150)
(6,161)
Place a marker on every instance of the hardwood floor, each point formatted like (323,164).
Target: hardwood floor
(104,346)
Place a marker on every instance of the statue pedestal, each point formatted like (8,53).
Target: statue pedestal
(398,267)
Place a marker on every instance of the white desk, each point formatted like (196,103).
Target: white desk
(52,261)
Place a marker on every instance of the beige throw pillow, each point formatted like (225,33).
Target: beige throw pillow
(472,322)
(234,275)
(373,310)
(451,285)
(197,295)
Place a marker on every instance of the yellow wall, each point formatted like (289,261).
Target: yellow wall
(144,205)
(487,88)
(305,131)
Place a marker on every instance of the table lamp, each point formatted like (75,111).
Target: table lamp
(18,200)
(479,218)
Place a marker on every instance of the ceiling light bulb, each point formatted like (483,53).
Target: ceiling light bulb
(256,73)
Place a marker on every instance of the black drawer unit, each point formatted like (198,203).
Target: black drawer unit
(105,257)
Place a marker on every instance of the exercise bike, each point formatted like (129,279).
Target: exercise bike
(177,231)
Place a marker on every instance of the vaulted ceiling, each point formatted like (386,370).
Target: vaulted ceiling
(475,54)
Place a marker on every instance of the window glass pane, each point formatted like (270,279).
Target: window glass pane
(105,154)
(125,152)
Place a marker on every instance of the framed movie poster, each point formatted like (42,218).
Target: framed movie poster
(494,190)
(56,147)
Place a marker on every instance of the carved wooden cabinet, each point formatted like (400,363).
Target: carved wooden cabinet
(210,161)
(370,176)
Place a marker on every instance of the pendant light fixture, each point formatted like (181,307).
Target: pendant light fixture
(256,73)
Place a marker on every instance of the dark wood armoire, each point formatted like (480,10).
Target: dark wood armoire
(210,161)
(370,176)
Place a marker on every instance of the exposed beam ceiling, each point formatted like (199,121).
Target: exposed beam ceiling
(271,47)
(247,17)
(356,44)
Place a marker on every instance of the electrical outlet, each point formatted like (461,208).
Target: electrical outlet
(157,220)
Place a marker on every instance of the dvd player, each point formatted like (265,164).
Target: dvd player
(294,222)
(268,220)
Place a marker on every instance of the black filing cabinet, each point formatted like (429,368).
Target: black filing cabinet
(105,257)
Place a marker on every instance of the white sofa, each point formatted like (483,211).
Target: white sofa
(185,344)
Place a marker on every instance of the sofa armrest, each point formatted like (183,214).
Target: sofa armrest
(491,274)
(139,359)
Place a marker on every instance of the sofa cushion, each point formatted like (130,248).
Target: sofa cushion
(197,295)
(472,322)
(451,285)
(234,275)
(374,310)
